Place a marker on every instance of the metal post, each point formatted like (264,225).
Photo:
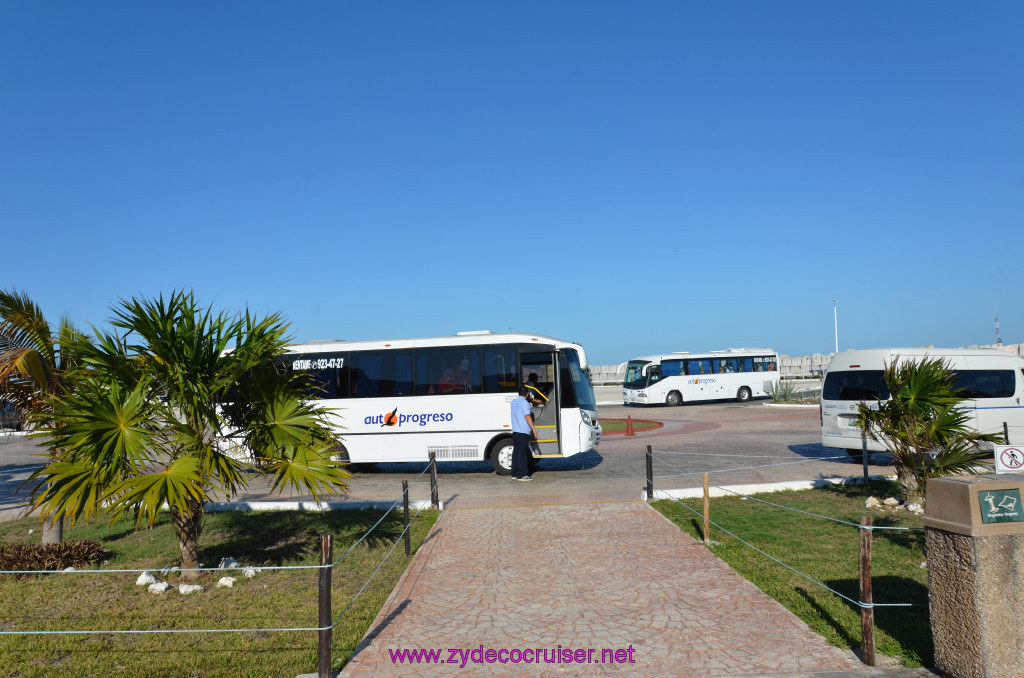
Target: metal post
(864,454)
(650,475)
(867,612)
(324,634)
(433,482)
(1006,434)
(835,316)
(707,512)
(405,518)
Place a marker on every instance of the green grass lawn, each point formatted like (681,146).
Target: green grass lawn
(616,425)
(272,599)
(827,552)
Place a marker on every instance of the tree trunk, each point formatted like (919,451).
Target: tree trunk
(53,532)
(909,487)
(187,526)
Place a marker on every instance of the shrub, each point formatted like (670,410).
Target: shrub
(783,392)
(50,556)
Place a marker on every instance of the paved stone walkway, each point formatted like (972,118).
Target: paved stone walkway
(585,576)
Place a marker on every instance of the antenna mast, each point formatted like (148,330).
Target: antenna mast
(999,340)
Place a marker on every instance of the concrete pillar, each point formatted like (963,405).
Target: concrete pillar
(974,532)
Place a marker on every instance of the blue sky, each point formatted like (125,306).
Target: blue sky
(638,177)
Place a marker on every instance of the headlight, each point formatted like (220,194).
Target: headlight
(585,416)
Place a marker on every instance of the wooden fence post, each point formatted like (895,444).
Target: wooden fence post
(324,634)
(867,611)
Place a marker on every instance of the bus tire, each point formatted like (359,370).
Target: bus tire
(674,399)
(341,454)
(501,456)
(856,454)
(743,395)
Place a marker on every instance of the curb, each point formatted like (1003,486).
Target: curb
(757,488)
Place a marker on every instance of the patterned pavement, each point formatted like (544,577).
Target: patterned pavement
(585,576)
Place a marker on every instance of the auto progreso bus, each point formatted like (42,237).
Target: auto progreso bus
(675,378)
(992,383)
(398,400)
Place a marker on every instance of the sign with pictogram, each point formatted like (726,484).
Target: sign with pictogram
(1009,459)
(1000,506)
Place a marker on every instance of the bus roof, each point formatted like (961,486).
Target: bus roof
(876,357)
(475,338)
(724,353)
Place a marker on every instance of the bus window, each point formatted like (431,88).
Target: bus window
(324,373)
(636,376)
(499,373)
(576,390)
(746,364)
(860,385)
(671,368)
(697,367)
(447,371)
(985,383)
(725,365)
(382,373)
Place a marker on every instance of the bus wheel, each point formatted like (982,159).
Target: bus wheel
(501,457)
(674,399)
(743,395)
(857,455)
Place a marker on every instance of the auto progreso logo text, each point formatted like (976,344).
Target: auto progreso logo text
(393,418)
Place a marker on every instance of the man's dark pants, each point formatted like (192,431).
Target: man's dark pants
(520,455)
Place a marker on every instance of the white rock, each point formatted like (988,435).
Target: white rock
(915,508)
(228,563)
(31,531)
(189,589)
(145,579)
(891,501)
(872,503)
(69,569)
(159,587)
(226,582)
(250,572)
(923,565)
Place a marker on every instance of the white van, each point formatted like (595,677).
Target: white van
(993,383)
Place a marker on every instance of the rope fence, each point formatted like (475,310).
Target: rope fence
(325,568)
(865,529)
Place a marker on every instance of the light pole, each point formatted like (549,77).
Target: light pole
(835,317)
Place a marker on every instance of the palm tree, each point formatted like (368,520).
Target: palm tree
(162,410)
(33,362)
(922,425)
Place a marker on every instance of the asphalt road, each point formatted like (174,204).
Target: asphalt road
(735,443)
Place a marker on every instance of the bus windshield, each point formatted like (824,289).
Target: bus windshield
(585,398)
(635,378)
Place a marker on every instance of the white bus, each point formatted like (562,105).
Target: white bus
(992,381)
(399,400)
(675,378)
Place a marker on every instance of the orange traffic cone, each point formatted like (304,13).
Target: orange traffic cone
(629,425)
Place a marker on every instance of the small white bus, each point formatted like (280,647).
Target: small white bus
(398,400)
(992,382)
(675,378)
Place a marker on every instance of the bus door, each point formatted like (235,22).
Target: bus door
(539,372)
